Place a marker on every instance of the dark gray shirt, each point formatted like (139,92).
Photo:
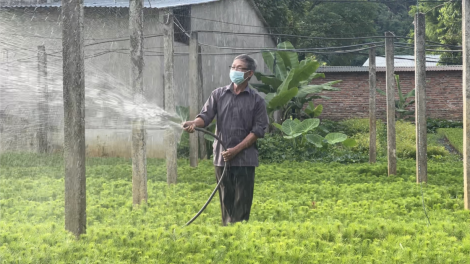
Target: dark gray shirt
(237,117)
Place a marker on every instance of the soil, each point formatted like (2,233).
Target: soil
(445,142)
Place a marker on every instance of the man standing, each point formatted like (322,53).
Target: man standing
(241,120)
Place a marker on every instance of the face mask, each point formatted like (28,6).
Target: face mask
(237,77)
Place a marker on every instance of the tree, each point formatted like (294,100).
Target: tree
(335,19)
(444,26)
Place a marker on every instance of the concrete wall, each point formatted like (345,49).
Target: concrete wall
(443,92)
(107,67)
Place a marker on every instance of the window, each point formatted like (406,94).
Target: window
(182,17)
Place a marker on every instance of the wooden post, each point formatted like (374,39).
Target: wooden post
(420,91)
(372,119)
(168,31)
(202,140)
(390,82)
(466,100)
(74,116)
(139,160)
(193,97)
(43,111)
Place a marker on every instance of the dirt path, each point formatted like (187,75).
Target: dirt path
(445,142)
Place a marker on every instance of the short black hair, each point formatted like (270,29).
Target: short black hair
(250,62)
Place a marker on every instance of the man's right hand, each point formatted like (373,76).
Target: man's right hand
(189,126)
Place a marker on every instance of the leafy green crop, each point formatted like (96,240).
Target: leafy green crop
(302,212)
(455,137)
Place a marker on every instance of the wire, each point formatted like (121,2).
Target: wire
(276,49)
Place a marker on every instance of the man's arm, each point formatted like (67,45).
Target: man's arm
(206,116)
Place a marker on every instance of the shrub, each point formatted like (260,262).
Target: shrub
(455,137)
(434,124)
(406,142)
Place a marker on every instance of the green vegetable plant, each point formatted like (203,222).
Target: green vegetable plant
(401,105)
(288,89)
(303,131)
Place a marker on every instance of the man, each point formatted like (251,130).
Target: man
(241,120)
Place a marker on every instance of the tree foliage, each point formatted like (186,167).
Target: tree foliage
(317,18)
(443,25)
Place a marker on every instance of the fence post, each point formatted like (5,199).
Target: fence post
(139,159)
(390,80)
(43,111)
(372,110)
(202,140)
(420,95)
(74,116)
(193,97)
(168,40)
(466,101)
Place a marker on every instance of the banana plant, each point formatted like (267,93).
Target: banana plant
(288,89)
(401,104)
(304,130)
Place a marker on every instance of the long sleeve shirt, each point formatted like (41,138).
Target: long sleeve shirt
(237,117)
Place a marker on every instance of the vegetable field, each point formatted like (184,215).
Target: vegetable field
(302,213)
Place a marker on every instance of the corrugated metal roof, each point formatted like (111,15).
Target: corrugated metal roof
(383,69)
(118,3)
(405,61)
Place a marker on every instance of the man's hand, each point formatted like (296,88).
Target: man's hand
(189,126)
(230,154)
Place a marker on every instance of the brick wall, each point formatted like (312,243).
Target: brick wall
(443,91)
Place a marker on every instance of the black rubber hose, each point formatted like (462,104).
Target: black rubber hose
(218,184)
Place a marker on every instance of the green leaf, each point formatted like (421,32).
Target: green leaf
(306,125)
(313,76)
(334,138)
(318,110)
(302,73)
(288,127)
(290,58)
(278,126)
(264,88)
(311,89)
(410,94)
(183,113)
(272,81)
(292,136)
(381,92)
(350,142)
(278,68)
(283,98)
(269,97)
(315,140)
(310,108)
(286,83)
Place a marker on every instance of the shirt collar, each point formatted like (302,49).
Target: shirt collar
(230,86)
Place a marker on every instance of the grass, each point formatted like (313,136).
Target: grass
(302,213)
(455,137)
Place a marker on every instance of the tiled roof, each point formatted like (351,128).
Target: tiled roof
(383,69)
(110,3)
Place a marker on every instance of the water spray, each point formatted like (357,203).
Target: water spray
(218,184)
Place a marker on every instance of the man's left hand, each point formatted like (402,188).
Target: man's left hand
(229,154)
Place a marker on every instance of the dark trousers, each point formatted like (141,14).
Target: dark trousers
(235,193)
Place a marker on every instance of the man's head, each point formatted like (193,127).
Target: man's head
(242,69)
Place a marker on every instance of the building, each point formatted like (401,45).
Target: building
(443,91)
(27,24)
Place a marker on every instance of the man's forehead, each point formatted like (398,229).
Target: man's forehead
(238,62)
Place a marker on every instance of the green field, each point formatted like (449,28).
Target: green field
(302,213)
(455,137)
